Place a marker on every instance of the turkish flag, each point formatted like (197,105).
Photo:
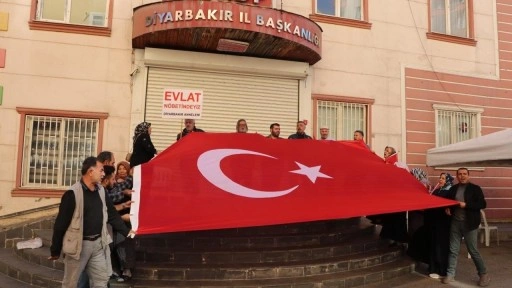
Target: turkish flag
(211,181)
(392,159)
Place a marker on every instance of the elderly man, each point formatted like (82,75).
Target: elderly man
(190,127)
(324,133)
(301,134)
(275,130)
(465,222)
(80,230)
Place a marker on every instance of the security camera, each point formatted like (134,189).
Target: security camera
(134,71)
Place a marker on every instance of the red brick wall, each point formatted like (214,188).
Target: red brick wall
(425,88)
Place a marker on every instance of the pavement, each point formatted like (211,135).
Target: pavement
(498,260)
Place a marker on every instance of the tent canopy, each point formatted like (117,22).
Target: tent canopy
(491,150)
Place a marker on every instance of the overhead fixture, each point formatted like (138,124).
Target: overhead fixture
(227,45)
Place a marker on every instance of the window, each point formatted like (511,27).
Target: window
(342,118)
(351,9)
(451,18)
(454,124)
(343,12)
(74,16)
(54,146)
(73,11)
(54,149)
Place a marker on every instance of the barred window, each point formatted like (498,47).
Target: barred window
(342,118)
(54,148)
(454,125)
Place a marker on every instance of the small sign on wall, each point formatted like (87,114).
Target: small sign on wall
(2,58)
(4,21)
(182,103)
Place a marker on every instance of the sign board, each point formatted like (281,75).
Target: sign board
(182,103)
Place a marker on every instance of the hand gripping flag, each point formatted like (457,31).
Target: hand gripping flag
(213,181)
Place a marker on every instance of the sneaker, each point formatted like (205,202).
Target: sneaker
(434,275)
(485,279)
(447,280)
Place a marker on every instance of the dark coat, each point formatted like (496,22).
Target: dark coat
(475,201)
(299,136)
(185,132)
(143,150)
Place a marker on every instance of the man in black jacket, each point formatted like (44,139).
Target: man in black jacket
(301,132)
(80,230)
(465,222)
(190,127)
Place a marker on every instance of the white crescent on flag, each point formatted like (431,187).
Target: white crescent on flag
(209,165)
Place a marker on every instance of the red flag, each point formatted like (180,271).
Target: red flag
(212,181)
(392,159)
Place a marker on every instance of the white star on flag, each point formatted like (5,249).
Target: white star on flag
(311,172)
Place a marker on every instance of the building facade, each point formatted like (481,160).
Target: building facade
(414,75)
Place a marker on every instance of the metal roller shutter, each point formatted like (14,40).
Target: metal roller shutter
(227,97)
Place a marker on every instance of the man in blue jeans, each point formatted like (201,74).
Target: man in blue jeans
(465,222)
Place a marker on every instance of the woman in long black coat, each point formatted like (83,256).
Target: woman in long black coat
(143,148)
(438,222)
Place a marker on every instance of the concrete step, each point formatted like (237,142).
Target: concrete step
(358,244)
(280,229)
(8,282)
(362,277)
(28,272)
(265,270)
(191,241)
(249,270)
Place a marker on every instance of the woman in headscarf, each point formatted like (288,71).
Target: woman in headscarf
(122,171)
(143,148)
(394,225)
(438,222)
(418,232)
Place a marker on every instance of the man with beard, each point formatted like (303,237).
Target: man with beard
(465,222)
(301,134)
(275,130)
(324,133)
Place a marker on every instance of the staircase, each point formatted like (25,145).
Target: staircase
(341,253)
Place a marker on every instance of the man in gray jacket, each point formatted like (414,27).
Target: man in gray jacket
(80,230)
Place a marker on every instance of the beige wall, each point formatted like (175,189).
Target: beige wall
(64,71)
(68,71)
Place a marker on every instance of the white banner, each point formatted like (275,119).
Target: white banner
(182,103)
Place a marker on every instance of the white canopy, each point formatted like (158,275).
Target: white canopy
(491,150)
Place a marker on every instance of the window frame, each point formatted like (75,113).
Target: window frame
(469,40)
(343,99)
(450,108)
(20,191)
(337,20)
(55,26)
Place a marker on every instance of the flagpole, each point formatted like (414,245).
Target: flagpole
(135,206)
(181,128)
